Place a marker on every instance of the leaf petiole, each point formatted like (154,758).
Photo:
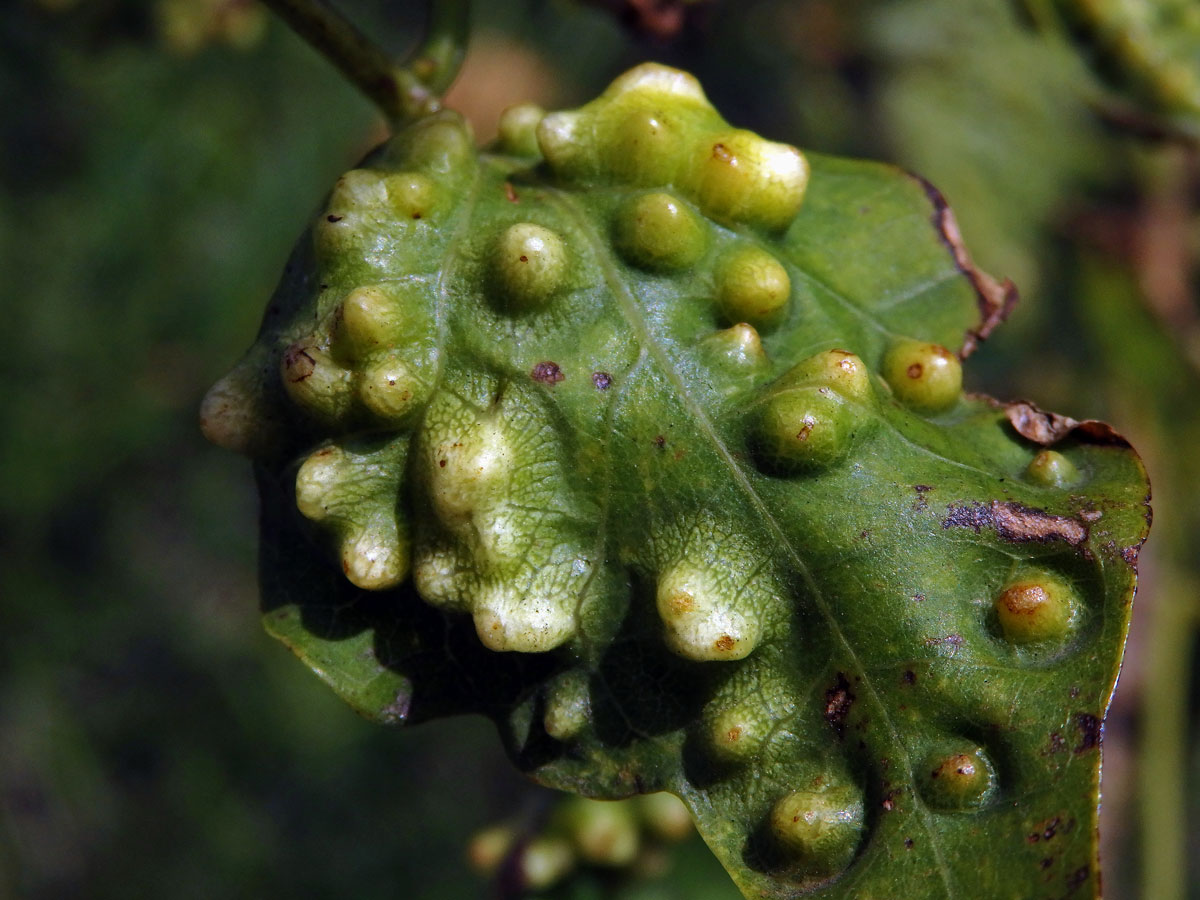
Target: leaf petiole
(402,88)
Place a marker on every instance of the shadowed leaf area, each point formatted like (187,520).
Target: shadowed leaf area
(645,437)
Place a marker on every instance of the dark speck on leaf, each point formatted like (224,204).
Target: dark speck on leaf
(1076,879)
(602,380)
(1090,733)
(547,373)
(838,701)
(332,218)
(660,441)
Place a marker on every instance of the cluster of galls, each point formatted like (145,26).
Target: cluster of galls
(455,475)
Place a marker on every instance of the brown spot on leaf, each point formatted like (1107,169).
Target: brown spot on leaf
(659,441)
(681,602)
(601,380)
(1048,428)
(299,363)
(838,700)
(1016,523)
(1090,732)
(721,152)
(547,373)
(724,643)
(1045,831)
(914,371)
(333,218)
(510,193)
(1055,744)
(909,677)
(1077,878)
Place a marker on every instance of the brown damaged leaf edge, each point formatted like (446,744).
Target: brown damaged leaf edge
(1017,523)
(996,298)
(1048,428)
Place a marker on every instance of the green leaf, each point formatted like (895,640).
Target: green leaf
(652,447)
(1146,50)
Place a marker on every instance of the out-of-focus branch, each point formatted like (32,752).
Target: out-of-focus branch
(401,88)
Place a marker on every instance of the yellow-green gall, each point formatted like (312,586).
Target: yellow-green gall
(373,544)
(412,195)
(738,177)
(441,144)
(545,861)
(568,706)
(368,319)
(315,382)
(391,390)
(593,141)
(1052,469)
(317,478)
(488,848)
(660,232)
(752,286)
(961,779)
(1036,607)
(737,349)
(818,828)
(665,815)
(808,427)
(471,468)
(375,559)
(925,377)
(841,370)
(737,734)
(604,832)
(511,617)
(646,151)
(354,189)
(700,614)
(530,264)
(517,131)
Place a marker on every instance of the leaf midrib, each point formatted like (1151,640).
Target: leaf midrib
(632,313)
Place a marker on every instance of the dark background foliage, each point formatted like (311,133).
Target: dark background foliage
(157,160)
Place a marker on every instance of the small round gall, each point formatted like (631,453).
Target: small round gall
(752,286)
(517,131)
(925,377)
(1052,469)
(391,390)
(807,428)
(530,264)
(1035,608)
(818,829)
(957,781)
(660,232)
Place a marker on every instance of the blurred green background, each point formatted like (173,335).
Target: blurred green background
(157,160)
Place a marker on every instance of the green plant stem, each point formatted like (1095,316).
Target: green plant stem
(402,88)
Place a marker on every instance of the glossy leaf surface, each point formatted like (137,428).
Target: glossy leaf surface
(645,437)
